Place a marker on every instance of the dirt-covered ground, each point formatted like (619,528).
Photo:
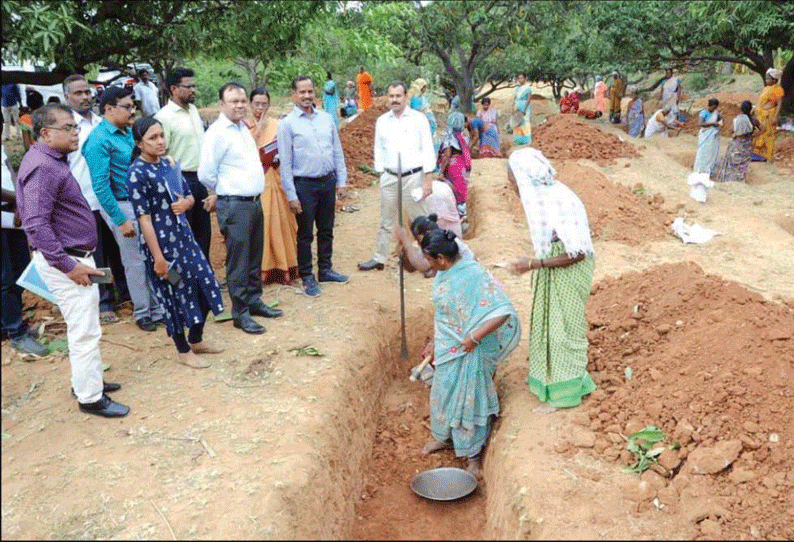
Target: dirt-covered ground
(267,444)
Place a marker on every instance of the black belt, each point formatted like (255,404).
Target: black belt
(326,177)
(78,253)
(240,198)
(417,169)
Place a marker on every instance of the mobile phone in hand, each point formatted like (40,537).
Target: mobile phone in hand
(107,278)
(173,274)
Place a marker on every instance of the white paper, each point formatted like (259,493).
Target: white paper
(692,233)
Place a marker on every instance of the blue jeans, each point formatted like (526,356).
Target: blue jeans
(14,243)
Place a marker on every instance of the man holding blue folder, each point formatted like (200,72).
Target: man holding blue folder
(62,234)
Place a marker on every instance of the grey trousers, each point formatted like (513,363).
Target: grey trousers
(243,228)
(144,300)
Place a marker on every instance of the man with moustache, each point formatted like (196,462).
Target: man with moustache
(183,129)
(62,234)
(108,152)
(229,164)
(313,174)
(146,94)
(80,100)
(405,132)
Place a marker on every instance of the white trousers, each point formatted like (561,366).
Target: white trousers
(80,308)
(388,209)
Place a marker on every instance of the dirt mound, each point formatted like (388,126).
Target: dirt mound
(616,212)
(710,363)
(357,142)
(567,136)
(784,153)
(729,111)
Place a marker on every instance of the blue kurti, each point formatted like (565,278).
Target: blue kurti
(331,101)
(150,194)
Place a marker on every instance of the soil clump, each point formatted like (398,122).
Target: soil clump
(357,142)
(709,362)
(567,136)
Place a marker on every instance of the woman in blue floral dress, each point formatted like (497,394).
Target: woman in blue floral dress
(475,328)
(182,279)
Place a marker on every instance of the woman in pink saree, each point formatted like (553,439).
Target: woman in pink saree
(600,94)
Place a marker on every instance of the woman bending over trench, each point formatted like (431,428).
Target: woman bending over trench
(561,283)
(475,327)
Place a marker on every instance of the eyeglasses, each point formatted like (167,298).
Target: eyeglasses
(127,107)
(261,105)
(187,86)
(65,128)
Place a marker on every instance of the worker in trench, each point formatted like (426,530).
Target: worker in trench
(475,328)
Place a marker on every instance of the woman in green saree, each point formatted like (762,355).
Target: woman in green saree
(561,284)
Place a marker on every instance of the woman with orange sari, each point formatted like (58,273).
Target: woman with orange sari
(280,254)
(768,113)
(364,81)
(600,94)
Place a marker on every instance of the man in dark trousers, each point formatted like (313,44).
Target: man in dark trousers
(313,173)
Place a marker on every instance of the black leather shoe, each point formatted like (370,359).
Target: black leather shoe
(370,265)
(263,310)
(249,326)
(146,324)
(107,387)
(105,407)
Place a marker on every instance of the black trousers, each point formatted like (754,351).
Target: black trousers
(243,227)
(318,201)
(107,255)
(199,219)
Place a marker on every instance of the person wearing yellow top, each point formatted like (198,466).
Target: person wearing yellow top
(280,254)
(768,113)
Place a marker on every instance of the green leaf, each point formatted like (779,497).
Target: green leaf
(306,351)
(58,345)
(223,317)
(105,366)
(654,453)
(272,304)
(651,434)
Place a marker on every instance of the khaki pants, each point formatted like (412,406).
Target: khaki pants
(388,209)
(80,308)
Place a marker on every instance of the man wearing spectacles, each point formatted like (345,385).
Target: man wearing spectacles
(80,100)
(183,130)
(146,94)
(62,235)
(108,152)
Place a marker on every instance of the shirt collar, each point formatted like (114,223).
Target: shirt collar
(94,119)
(112,128)
(406,112)
(176,107)
(226,121)
(301,113)
(49,151)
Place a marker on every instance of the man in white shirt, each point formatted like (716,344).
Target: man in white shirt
(183,130)
(80,100)
(401,132)
(230,165)
(146,94)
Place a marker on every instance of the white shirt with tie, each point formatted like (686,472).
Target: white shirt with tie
(229,162)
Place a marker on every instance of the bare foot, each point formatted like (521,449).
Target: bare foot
(475,466)
(434,446)
(545,409)
(205,347)
(192,360)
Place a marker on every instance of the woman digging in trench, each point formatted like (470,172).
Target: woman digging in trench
(475,328)
(561,284)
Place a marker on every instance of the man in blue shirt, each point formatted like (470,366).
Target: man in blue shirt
(108,152)
(313,173)
(11,102)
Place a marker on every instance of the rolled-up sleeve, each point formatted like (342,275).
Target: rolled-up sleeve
(41,192)
(284,138)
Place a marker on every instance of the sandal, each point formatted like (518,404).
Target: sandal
(108,317)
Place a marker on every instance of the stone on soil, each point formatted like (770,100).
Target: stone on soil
(713,459)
